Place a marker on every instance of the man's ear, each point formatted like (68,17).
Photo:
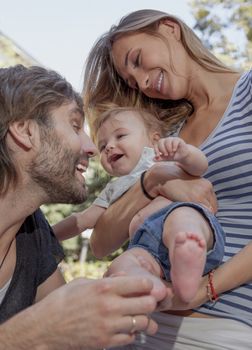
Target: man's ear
(24,132)
(168,26)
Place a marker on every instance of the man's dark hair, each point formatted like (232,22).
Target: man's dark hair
(28,93)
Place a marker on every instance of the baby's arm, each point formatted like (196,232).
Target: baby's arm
(190,158)
(78,222)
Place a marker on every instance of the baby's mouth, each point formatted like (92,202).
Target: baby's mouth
(114,158)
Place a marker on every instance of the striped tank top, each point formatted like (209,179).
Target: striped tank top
(229,152)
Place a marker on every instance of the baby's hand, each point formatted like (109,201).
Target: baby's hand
(171,148)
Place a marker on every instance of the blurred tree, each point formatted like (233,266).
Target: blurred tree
(225,26)
(11,53)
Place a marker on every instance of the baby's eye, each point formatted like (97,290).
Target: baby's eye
(120,136)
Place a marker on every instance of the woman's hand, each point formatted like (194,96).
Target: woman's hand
(229,275)
(180,187)
(197,190)
(177,304)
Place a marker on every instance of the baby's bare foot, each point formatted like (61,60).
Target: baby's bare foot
(187,264)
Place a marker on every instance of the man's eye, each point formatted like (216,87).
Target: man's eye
(76,127)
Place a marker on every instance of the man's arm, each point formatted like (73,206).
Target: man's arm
(53,282)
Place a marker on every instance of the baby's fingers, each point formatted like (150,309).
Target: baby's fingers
(175,143)
(157,151)
(166,147)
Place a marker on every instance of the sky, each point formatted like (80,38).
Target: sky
(60,33)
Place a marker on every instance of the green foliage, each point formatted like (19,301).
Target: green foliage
(225,26)
(11,54)
(94,270)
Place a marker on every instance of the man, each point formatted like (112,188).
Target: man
(44,152)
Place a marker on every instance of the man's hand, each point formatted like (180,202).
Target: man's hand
(99,314)
(84,314)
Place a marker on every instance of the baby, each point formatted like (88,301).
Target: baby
(174,241)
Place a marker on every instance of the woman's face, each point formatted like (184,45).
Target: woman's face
(146,63)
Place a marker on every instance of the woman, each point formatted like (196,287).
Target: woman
(152,56)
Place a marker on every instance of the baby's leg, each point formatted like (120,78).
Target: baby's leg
(188,236)
(155,205)
(138,262)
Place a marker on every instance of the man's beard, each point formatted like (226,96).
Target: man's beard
(54,171)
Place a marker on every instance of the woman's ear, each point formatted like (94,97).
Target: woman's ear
(170,27)
(23,133)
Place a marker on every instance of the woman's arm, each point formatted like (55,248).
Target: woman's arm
(227,276)
(180,187)
(111,230)
(77,222)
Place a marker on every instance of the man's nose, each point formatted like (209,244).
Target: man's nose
(88,146)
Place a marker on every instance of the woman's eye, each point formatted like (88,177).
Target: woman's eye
(137,61)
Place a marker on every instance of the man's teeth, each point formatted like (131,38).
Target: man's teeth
(81,168)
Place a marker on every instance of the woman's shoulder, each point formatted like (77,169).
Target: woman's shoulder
(243,87)
(246,78)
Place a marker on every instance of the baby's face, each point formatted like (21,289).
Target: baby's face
(121,140)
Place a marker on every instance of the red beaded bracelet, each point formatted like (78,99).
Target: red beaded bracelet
(211,293)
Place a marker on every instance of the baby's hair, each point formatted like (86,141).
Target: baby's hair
(149,116)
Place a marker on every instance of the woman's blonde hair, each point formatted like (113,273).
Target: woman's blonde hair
(102,84)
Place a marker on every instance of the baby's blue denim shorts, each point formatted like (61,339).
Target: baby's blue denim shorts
(149,237)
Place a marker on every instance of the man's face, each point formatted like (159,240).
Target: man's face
(63,157)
